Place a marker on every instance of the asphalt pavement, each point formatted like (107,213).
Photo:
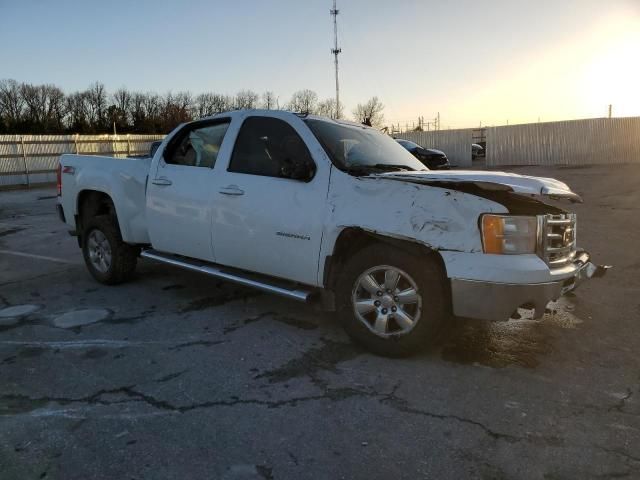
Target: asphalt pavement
(179,376)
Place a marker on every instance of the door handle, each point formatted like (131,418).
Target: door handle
(231,190)
(161,181)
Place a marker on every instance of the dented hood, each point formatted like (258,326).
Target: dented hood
(512,182)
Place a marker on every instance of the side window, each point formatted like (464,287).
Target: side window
(197,147)
(271,147)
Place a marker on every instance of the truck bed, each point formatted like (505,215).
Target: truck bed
(123,179)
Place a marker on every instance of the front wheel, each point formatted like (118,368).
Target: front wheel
(108,258)
(391,302)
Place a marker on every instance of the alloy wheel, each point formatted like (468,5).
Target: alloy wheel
(387,301)
(99,251)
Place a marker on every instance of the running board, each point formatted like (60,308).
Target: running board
(267,284)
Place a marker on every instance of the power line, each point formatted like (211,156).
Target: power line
(335,51)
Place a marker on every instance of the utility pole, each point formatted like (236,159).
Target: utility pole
(610,107)
(335,51)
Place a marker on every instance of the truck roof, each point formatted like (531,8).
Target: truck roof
(280,114)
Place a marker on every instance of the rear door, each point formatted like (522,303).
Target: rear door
(266,220)
(180,191)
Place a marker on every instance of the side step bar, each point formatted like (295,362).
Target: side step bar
(250,280)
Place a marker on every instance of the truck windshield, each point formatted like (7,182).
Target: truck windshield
(361,149)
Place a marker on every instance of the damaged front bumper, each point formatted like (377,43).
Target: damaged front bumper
(497,301)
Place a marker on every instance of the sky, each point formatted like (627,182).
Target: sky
(475,62)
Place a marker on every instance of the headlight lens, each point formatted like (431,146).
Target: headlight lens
(509,235)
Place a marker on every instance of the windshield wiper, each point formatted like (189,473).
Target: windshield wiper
(391,166)
(378,167)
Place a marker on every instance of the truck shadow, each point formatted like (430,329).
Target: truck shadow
(515,342)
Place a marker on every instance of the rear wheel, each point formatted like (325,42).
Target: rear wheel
(391,302)
(108,258)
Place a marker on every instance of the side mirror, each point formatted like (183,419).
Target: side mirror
(154,148)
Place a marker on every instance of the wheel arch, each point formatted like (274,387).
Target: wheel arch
(91,203)
(352,239)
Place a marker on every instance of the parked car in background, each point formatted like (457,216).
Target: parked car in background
(429,157)
(476,151)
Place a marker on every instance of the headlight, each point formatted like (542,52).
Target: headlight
(509,235)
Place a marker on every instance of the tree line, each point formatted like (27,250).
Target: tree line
(46,109)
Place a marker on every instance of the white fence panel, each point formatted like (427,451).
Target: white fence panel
(572,142)
(456,144)
(32,159)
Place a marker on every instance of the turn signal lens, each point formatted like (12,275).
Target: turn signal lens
(492,234)
(509,235)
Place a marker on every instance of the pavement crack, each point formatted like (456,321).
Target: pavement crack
(611,475)
(149,400)
(331,394)
(323,358)
(617,451)
(196,343)
(19,404)
(171,376)
(403,406)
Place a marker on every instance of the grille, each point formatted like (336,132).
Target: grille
(558,239)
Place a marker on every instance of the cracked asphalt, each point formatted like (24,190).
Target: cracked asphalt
(176,375)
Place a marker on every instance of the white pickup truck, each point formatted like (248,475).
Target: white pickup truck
(332,212)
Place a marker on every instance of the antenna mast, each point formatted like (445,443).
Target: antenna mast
(335,51)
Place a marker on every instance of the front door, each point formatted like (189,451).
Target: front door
(267,218)
(180,191)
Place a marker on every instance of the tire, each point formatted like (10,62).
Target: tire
(108,258)
(366,324)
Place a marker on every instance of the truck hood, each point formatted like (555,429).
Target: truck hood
(501,181)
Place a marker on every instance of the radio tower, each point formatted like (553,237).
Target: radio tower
(335,51)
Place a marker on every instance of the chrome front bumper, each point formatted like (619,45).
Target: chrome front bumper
(498,301)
